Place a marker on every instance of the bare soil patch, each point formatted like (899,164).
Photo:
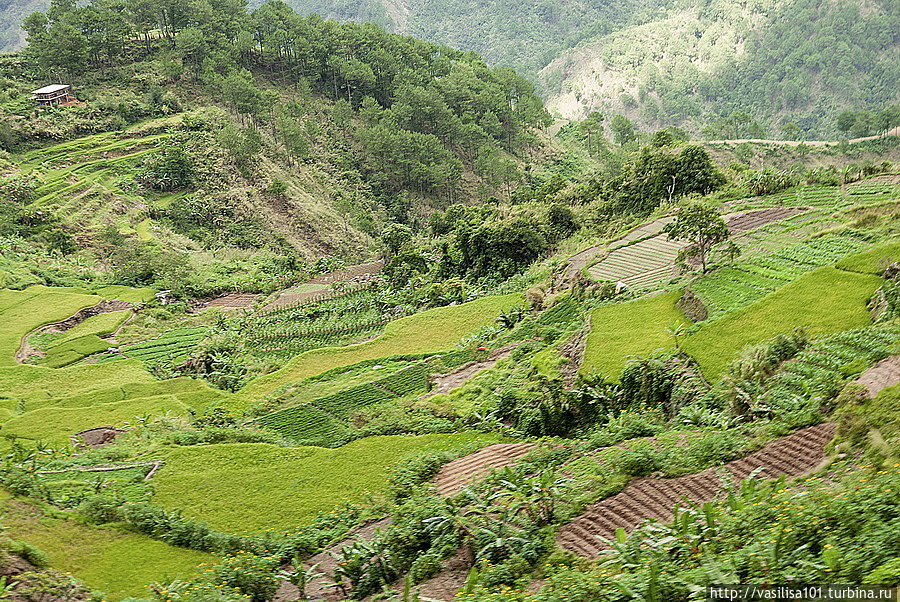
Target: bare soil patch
(882,375)
(232,301)
(96,437)
(361,273)
(647,498)
(455,475)
(444,383)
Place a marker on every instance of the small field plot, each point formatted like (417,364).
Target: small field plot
(432,330)
(118,563)
(283,333)
(55,424)
(172,347)
(23,311)
(824,301)
(734,286)
(641,264)
(253,488)
(636,328)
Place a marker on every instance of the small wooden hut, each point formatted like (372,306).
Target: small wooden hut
(51,96)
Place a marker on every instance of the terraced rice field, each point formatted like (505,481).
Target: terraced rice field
(824,301)
(325,419)
(745,281)
(645,499)
(651,260)
(81,177)
(455,475)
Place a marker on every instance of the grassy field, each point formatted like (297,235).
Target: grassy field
(622,330)
(824,301)
(49,404)
(252,488)
(118,563)
(55,424)
(23,311)
(430,331)
(873,261)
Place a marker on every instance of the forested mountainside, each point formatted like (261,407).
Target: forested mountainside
(799,62)
(664,62)
(329,131)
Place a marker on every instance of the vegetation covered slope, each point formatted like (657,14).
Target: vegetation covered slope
(710,59)
(665,62)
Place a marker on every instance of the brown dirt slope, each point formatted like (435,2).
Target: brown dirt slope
(444,383)
(455,475)
(793,455)
(882,375)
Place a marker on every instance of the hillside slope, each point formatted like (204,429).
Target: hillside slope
(661,62)
(780,61)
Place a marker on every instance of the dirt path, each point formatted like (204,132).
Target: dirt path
(455,475)
(882,375)
(444,383)
(646,498)
(893,132)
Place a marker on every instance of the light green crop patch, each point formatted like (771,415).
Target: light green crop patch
(55,425)
(825,301)
(118,563)
(873,261)
(23,311)
(432,330)
(633,329)
(254,487)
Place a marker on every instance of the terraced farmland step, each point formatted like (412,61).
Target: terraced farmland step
(454,475)
(646,498)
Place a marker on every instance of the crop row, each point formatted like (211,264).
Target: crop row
(323,417)
(831,360)
(731,287)
(172,346)
(303,422)
(409,380)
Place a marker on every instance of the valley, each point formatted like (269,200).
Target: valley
(295,309)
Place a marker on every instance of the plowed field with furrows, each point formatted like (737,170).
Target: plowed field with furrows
(455,475)
(646,498)
(652,260)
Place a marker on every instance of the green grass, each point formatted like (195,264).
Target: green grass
(429,331)
(100,325)
(252,488)
(636,328)
(55,425)
(824,301)
(873,261)
(23,311)
(118,563)
(72,350)
(38,384)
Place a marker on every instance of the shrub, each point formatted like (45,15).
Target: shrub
(252,575)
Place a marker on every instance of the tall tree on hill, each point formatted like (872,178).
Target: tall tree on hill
(702,226)
(623,130)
